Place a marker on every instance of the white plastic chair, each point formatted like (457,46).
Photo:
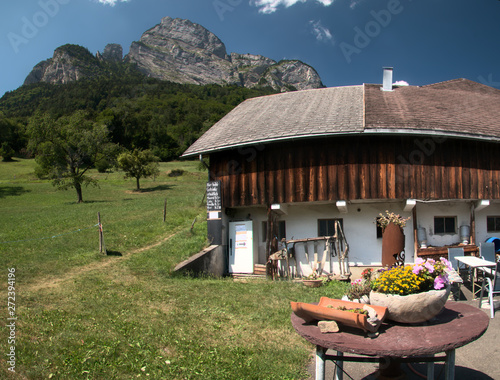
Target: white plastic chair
(491,285)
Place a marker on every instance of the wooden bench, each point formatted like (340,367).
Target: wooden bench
(456,282)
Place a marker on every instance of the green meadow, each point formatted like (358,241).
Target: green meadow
(81,314)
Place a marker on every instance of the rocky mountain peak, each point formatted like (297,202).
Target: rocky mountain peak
(179,51)
(113,53)
(69,63)
(185,32)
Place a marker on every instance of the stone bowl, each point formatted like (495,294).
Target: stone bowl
(412,308)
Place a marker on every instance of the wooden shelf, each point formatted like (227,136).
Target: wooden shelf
(437,252)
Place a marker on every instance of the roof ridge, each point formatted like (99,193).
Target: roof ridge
(287,93)
(444,81)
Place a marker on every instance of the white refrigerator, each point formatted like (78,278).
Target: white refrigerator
(241,258)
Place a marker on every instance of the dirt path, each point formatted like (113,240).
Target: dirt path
(51,282)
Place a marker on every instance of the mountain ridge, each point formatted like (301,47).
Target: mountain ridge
(179,51)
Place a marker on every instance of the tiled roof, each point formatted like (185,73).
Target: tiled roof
(458,107)
(288,115)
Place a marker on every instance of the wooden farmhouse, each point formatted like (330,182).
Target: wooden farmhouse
(288,166)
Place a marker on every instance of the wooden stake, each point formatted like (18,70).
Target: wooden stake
(100,231)
(165,210)
(102,246)
(203,199)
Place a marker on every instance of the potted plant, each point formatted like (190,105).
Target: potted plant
(359,291)
(352,314)
(393,238)
(314,280)
(412,293)
(384,220)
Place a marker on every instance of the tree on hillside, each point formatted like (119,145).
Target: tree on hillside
(67,147)
(6,152)
(138,164)
(9,138)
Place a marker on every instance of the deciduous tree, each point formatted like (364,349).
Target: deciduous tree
(138,164)
(67,147)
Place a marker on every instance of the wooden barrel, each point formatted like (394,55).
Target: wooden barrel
(393,243)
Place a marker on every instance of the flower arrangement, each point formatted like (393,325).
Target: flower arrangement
(424,275)
(367,274)
(390,217)
(359,288)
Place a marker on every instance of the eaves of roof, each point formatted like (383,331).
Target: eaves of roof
(458,108)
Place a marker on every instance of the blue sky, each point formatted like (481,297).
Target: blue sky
(346,41)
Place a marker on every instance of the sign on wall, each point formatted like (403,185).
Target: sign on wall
(214,203)
(214,210)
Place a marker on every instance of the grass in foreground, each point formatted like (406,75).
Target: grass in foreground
(82,315)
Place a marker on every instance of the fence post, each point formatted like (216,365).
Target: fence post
(102,247)
(165,210)
(100,231)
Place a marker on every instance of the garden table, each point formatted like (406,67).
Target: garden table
(457,325)
(474,263)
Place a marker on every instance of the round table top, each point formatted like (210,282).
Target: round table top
(457,325)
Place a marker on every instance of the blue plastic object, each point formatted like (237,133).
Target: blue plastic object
(496,241)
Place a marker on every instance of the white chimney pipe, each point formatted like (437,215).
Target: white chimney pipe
(387,84)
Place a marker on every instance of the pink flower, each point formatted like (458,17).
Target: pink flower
(419,260)
(429,266)
(440,281)
(417,269)
(446,263)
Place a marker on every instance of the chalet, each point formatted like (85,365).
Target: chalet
(288,166)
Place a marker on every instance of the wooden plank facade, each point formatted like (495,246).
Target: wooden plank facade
(361,167)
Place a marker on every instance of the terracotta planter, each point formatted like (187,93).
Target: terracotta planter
(364,299)
(311,312)
(393,245)
(313,283)
(413,308)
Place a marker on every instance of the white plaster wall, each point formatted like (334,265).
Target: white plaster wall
(359,227)
(427,211)
(365,249)
(481,229)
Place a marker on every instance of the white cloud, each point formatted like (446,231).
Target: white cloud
(320,32)
(354,3)
(270,6)
(400,83)
(111,2)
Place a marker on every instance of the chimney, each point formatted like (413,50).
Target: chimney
(387,85)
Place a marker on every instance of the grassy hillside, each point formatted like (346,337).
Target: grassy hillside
(83,315)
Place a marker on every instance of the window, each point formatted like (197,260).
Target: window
(445,224)
(281,230)
(493,223)
(326,227)
(379,229)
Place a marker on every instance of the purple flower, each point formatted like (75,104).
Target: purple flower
(440,281)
